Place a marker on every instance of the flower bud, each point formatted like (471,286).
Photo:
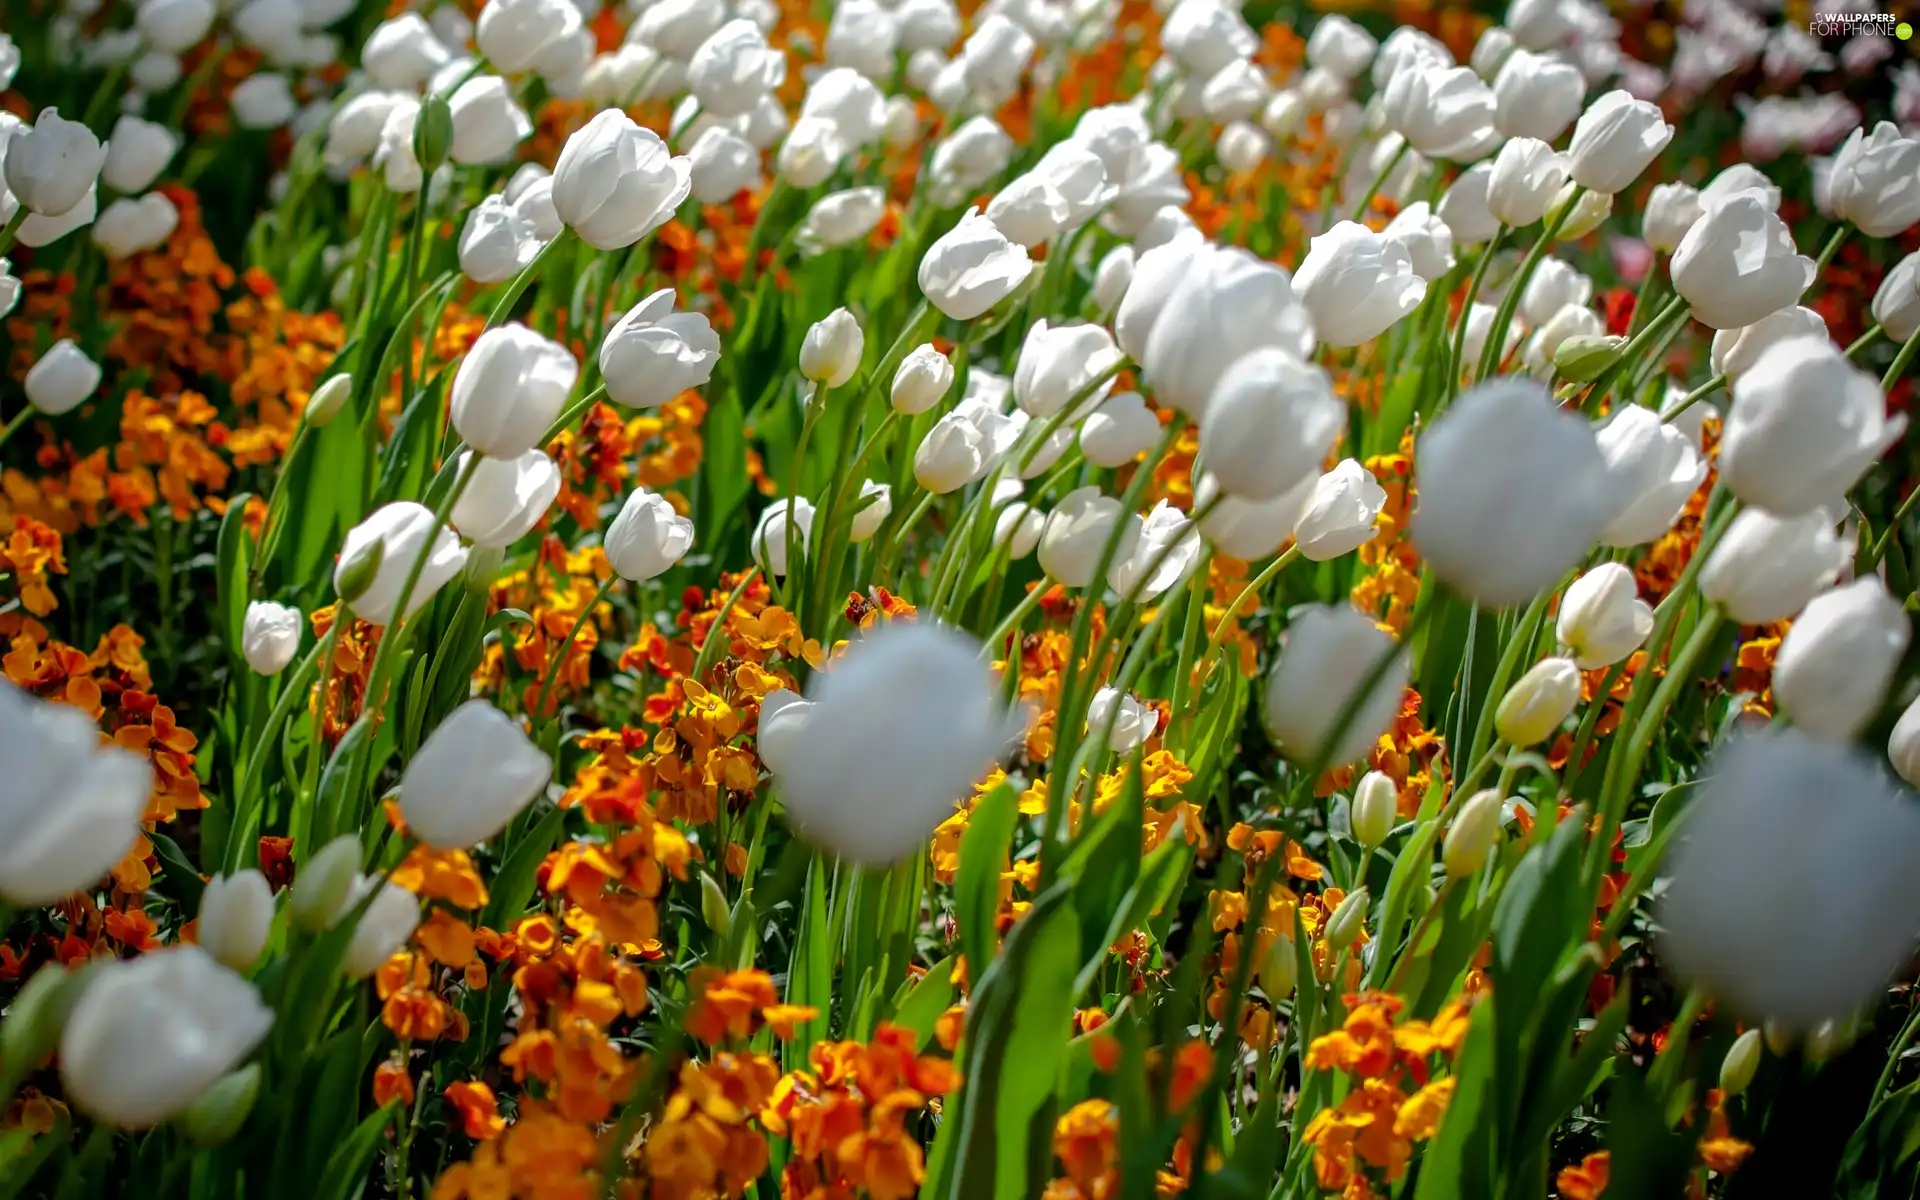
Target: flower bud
(1348,921)
(218,1114)
(328,399)
(1584,213)
(1826,1040)
(62,378)
(1375,807)
(358,570)
(324,883)
(1616,139)
(270,636)
(770,536)
(1738,263)
(873,505)
(1076,532)
(1602,618)
(830,354)
(647,538)
(1279,970)
(52,164)
(923,379)
(38,1014)
(1538,701)
(1836,662)
(1357,284)
(433,133)
(653,353)
(1742,1062)
(508,390)
(713,906)
(1903,746)
(137,151)
(1584,357)
(1332,653)
(972,267)
(616,182)
(1471,837)
(1527,175)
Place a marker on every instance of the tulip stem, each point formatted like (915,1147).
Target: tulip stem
(1864,340)
(1829,250)
(810,406)
(503,307)
(12,228)
(1900,1044)
(1379,181)
(889,549)
(1011,623)
(1466,310)
(262,742)
(1901,362)
(1247,593)
(566,419)
(1695,396)
(1495,349)
(12,426)
(1189,636)
(560,653)
(1881,543)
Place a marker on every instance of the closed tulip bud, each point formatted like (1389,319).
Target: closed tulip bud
(432,137)
(900,729)
(131,227)
(505,498)
(967,159)
(863,35)
(1062,192)
(383,929)
(1573,321)
(353,132)
(677,28)
(1742,1062)
(1738,263)
(496,242)
(509,388)
(1242,147)
(1119,431)
(1058,363)
(264,101)
(972,267)
(840,219)
(874,505)
(1554,287)
(137,151)
(1464,207)
(134,1073)
(173,25)
(1583,358)
(1076,532)
(1602,618)
(514,34)
(993,59)
(1735,350)
(1616,139)
(1195,310)
(810,153)
(923,379)
(270,636)
(1356,284)
(1527,174)
(73,804)
(473,775)
(1249,529)
(830,353)
(1427,239)
(1340,512)
(733,68)
(1672,208)
(1328,657)
(52,164)
(1271,421)
(1502,439)
(1537,703)
(38,1013)
(616,182)
(1535,95)
(1656,468)
(1112,277)
(1472,836)
(1375,808)
(1897,304)
(769,543)
(324,884)
(1340,46)
(713,906)
(1017,530)
(1872,181)
(483,124)
(61,378)
(1836,661)
(1788,456)
(1903,746)
(1762,950)
(236,914)
(1443,111)
(653,354)
(1584,213)
(371,580)
(1766,568)
(1279,969)
(648,537)
(1285,114)
(1349,920)
(217,1115)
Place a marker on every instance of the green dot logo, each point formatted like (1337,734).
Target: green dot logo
(1903,31)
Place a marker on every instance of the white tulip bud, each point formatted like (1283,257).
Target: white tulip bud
(62,378)
(1602,618)
(1538,702)
(923,379)
(52,164)
(1903,746)
(1471,837)
(648,537)
(1349,920)
(473,775)
(270,636)
(1375,808)
(1742,1062)
(830,353)
(323,884)
(236,914)
(1280,969)
(328,399)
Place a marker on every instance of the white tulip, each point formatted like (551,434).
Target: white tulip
(769,543)
(1404,48)
(1804,427)
(1327,662)
(875,503)
(1119,431)
(842,219)
(1250,529)
(1061,193)
(1527,174)
(70,805)
(514,34)
(402,529)
(1602,618)
(149,1035)
(1058,363)
(137,151)
(677,28)
(236,915)
(497,242)
(923,379)
(1538,702)
(900,730)
(616,182)
(1133,721)
(1270,424)
(1738,263)
(1657,469)
(1076,532)
(830,352)
(509,388)
(1340,46)
(473,775)
(1357,284)
(353,133)
(1672,208)
(1903,745)
(1897,304)
(863,35)
(781,736)
(1616,139)
(1112,278)
(1195,310)
(1513,492)
(1536,96)
(1472,835)
(1553,287)
(993,59)
(953,454)
(264,101)
(1242,147)
(733,68)
(653,354)
(1340,512)
(487,124)
(1873,181)
(1442,111)
(972,267)
(1766,568)
(1464,207)
(173,25)
(648,537)
(1165,547)
(270,636)
(1735,350)
(505,498)
(967,159)
(383,929)
(1426,237)
(1768,951)
(1018,529)
(61,379)
(1838,658)
(52,164)
(1740,177)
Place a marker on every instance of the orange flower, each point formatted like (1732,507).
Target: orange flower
(475,1103)
(392,1084)
(1587,1179)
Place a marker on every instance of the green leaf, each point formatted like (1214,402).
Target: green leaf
(1159,879)
(1536,921)
(346,1172)
(1459,1160)
(232,565)
(513,883)
(1018,1028)
(342,781)
(927,999)
(810,971)
(976,890)
(1882,1158)
(180,880)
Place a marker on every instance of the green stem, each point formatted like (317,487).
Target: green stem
(1190,637)
(1466,310)
(261,743)
(1247,593)
(400,625)
(1900,362)
(1503,317)
(810,404)
(503,307)
(1012,620)
(1695,396)
(12,228)
(1379,180)
(560,655)
(1881,543)
(1900,1044)
(896,539)
(12,426)
(1829,250)
(1864,340)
